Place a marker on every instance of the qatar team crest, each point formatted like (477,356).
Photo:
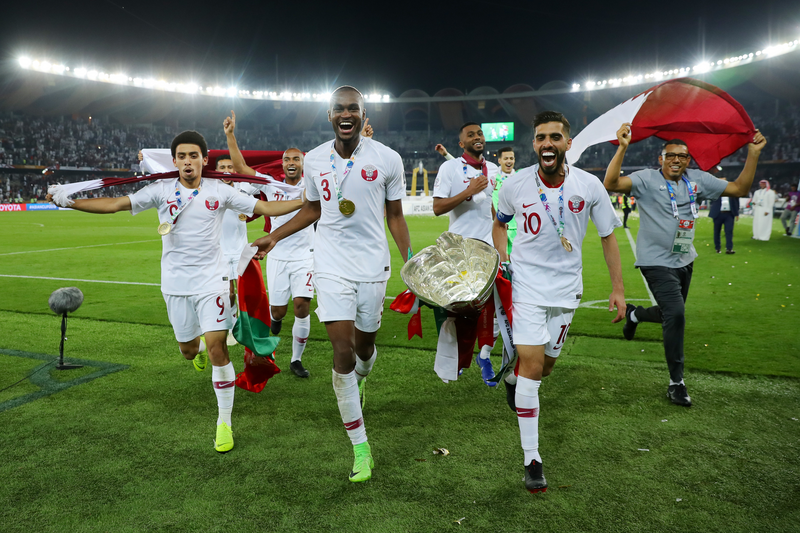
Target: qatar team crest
(576,204)
(212,204)
(369,173)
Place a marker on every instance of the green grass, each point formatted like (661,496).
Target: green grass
(131,451)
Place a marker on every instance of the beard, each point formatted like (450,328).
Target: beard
(555,168)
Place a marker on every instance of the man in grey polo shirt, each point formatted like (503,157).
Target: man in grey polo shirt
(668,200)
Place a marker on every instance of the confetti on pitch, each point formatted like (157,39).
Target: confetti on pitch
(644,449)
(664,420)
(441,451)
(460,520)
(420,460)
(678,499)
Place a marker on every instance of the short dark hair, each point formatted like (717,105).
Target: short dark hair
(677,142)
(551,116)
(189,137)
(344,88)
(504,149)
(223,157)
(466,124)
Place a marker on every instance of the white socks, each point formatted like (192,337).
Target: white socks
(527,402)
(363,368)
(633,317)
(346,388)
(224,379)
(486,351)
(671,383)
(300,331)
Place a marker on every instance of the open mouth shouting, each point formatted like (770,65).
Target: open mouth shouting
(347,127)
(548,160)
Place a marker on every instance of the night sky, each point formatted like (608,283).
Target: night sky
(314,46)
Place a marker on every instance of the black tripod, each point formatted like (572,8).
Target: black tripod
(61,365)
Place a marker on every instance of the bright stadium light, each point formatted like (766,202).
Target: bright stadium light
(25,62)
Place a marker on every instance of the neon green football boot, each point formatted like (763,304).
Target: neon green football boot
(363,463)
(200,361)
(224,440)
(362,396)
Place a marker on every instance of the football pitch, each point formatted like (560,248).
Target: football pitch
(125,443)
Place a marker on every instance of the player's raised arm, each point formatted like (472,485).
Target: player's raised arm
(239,164)
(741,186)
(613,180)
(98,205)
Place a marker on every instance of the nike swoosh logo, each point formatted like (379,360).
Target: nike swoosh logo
(220,320)
(172,202)
(527,206)
(324,174)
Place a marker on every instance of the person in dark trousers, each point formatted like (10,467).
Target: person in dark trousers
(724,211)
(626,209)
(669,199)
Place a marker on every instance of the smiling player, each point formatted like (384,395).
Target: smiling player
(349,182)
(553,203)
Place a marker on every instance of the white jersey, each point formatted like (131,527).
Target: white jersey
(234,230)
(544,273)
(191,257)
(298,246)
(354,247)
(468,219)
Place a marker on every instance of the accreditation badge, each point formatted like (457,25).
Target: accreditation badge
(683,237)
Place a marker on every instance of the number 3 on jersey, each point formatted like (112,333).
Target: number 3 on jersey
(326,192)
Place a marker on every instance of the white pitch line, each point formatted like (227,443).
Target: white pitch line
(76,247)
(633,247)
(84,280)
(100,281)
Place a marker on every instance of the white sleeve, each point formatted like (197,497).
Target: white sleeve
(396,179)
(237,200)
(312,193)
(443,184)
(601,211)
(146,198)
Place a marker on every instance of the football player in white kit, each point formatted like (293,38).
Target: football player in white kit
(349,182)
(552,203)
(234,236)
(290,265)
(463,188)
(194,279)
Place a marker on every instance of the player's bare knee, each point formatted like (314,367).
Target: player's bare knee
(278,312)
(301,307)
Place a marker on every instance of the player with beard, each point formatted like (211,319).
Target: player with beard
(349,182)
(553,203)
(463,188)
(668,201)
(194,279)
(290,265)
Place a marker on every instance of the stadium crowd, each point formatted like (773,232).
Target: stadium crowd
(97,144)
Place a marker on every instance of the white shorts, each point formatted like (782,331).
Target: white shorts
(535,325)
(191,316)
(233,267)
(289,279)
(342,299)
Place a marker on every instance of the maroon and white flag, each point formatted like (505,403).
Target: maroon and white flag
(708,119)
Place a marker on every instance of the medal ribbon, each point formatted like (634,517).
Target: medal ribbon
(347,169)
(543,197)
(181,205)
(674,202)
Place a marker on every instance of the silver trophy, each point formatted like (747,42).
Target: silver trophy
(455,273)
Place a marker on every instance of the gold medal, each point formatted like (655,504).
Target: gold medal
(347,207)
(164,228)
(566,244)
(242,217)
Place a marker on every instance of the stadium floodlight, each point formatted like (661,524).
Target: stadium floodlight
(232,91)
(576,86)
(25,62)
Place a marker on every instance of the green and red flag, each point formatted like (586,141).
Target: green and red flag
(252,331)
